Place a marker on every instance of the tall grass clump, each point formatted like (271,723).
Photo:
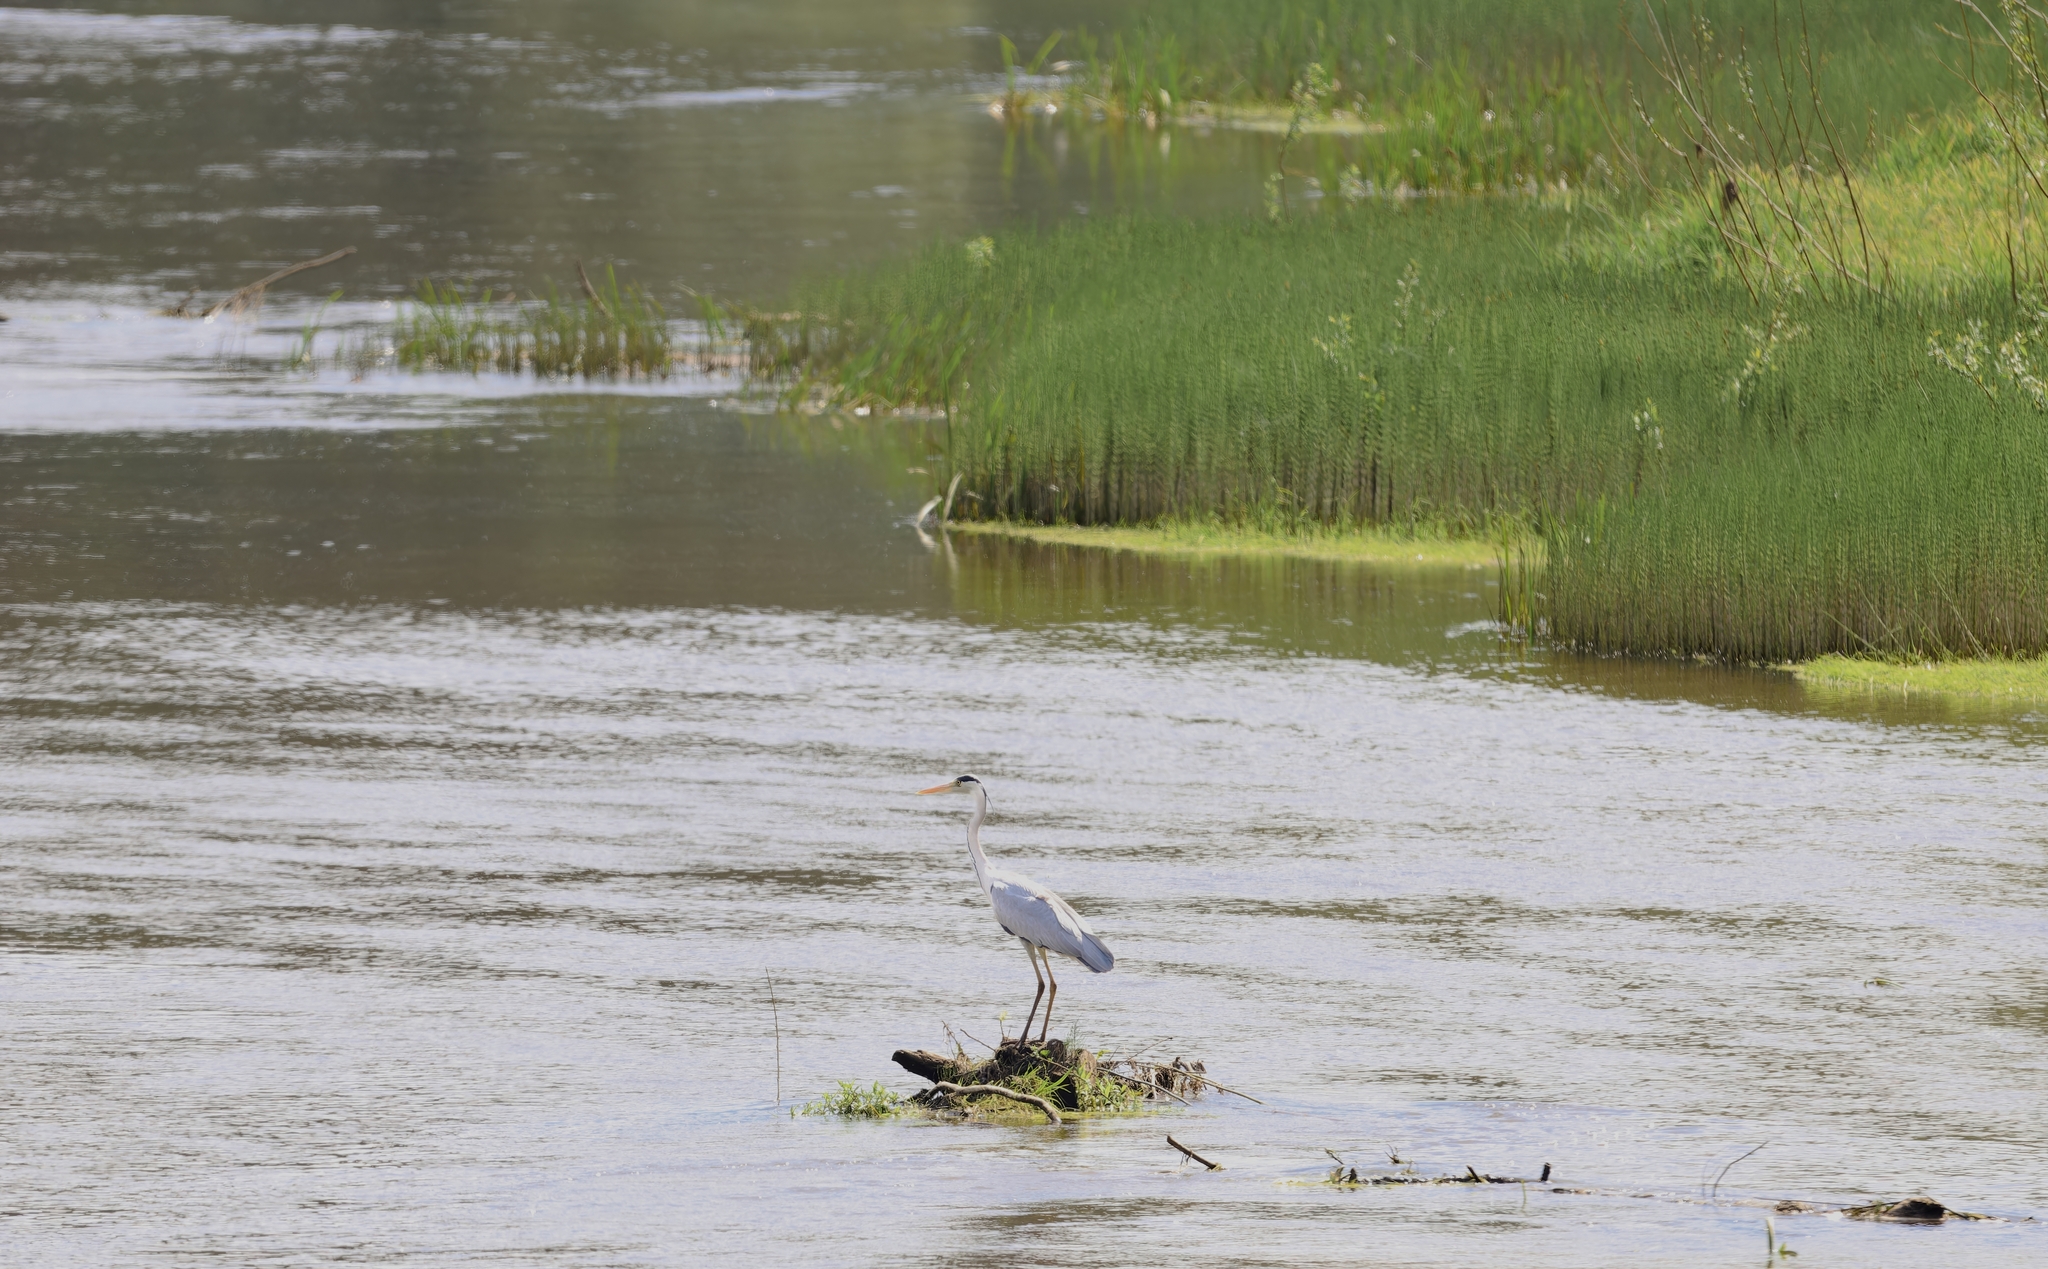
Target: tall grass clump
(1921,533)
(1421,366)
(609,331)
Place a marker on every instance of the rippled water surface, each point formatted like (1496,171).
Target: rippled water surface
(413,784)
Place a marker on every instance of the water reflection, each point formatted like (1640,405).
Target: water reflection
(728,147)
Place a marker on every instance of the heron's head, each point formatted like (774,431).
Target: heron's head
(958,784)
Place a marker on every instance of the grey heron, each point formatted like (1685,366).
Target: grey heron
(1029,911)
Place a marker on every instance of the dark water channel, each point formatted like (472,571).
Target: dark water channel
(412,783)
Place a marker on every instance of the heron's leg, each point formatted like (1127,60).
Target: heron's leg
(1031,953)
(1047,1025)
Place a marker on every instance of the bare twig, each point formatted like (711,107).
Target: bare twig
(1233,1092)
(946,512)
(253,293)
(997,1090)
(591,291)
(1213,1167)
(1715,1192)
(775,1009)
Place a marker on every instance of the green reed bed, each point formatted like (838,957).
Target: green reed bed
(1499,94)
(610,331)
(1387,366)
(1919,530)
(1711,474)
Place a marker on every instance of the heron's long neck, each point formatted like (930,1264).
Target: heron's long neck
(974,839)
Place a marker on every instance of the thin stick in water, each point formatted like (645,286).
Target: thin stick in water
(1715,1193)
(254,291)
(775,1009)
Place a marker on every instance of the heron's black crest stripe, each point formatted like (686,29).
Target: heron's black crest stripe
(965,780)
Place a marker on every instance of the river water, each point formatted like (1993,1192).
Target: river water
(414,785)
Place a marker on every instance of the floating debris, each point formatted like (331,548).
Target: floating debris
(1919,1211)
(251,296)
(1067,1077)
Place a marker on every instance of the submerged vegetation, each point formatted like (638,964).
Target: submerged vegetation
(1970,679)
(609,330)
(1785,399)
(1216,537)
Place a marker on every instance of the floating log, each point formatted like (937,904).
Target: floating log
(927,1065)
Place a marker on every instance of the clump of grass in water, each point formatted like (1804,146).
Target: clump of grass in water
(851,1101)
(611,331)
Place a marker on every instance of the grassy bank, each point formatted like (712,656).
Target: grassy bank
(1793,409)
(1199,539)
(1501,94)
(1712,473)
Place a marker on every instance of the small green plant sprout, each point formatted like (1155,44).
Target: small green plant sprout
(1415,322)
(851,1101)
(1773,1248)
(1764,343)
(1016,101)
(981,252)
(301,355)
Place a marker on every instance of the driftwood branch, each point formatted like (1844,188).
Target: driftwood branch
(253,293)
(591,291)
(1213,1167)
(1051,1112)
(1233,1092)
(927,1065)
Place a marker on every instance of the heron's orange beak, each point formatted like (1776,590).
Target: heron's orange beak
(938,788)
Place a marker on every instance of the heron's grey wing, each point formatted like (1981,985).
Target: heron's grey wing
(1032,911)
